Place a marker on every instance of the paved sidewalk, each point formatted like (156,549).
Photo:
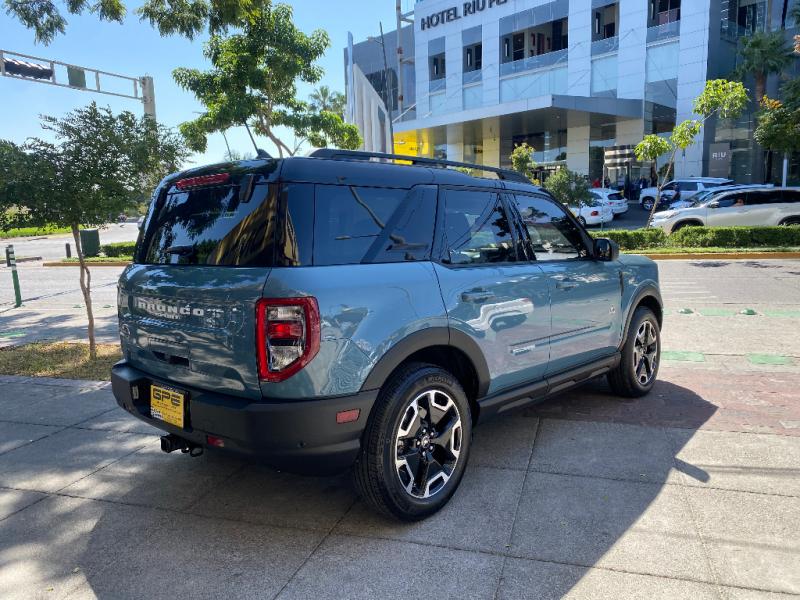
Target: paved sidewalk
(585,496)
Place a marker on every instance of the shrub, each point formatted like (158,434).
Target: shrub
(636,239)
(735,237)
(118,249)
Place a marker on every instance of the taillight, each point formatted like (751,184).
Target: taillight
(287,336)
(595,213)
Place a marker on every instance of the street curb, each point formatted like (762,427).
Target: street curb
(88,264)
(56,382)
(23,259)
(723,255)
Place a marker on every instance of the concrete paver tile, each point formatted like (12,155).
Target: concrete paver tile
(119,420)
(14,435)
(740,461)
(753,539)
(153,478)
(478,517)
(504,442)
(355,568)
(259,494)
(526,579)
(613,450)
(637,527)
(12,501)
(56,461)
(50,405)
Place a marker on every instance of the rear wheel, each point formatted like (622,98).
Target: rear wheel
(647,203)
(636,373)
(416,444)
(791,221)
(582,221)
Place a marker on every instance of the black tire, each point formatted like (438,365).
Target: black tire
(791,221)
(627,379)
(679,226)
(582,221)
(647,204)
(377,475)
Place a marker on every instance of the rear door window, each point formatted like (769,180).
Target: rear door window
(215,226)
(372,225)
(792,196)
(766,197)
(553,235)
(476,228)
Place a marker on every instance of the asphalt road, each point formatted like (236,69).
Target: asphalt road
(51,247)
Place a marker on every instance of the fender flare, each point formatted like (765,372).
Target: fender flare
(427,338)
(648,290)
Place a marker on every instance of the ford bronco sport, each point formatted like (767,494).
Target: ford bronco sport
(339,311)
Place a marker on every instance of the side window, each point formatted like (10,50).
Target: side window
(360,224)
(791,196)
(687,186)
(553,234)
(476,229)
(760,198)
(732,200)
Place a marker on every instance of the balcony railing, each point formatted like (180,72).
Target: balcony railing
(604,46)
(534,62)
(663,32)
(471,77)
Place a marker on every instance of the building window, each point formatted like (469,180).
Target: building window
(437,66)
(534,41)
(385,83)
(664,11)
(605,22)
(473,57)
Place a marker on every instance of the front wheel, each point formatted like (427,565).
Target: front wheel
(416,444)
(647,204)
(582,221)
(636,373)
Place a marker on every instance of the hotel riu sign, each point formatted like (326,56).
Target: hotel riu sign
(456,12)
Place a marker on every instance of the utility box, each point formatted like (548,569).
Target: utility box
(90,242)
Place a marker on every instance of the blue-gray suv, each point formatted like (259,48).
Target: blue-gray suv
(345,311)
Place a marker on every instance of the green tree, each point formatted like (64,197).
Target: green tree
(778,125)
(569,188)
(522,160)
(323,98)
(762,54)
(721,98)
(184,17)
(99,165)
(254,79)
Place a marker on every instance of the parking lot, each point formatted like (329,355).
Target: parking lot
(691,492)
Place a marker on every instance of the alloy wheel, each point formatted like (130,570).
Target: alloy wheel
(645,353)
(428,443)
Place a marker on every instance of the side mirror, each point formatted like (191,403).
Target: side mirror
(605,249)
(714,204)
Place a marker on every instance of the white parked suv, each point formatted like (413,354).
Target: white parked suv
(760,206)
(687,188)
(612,198)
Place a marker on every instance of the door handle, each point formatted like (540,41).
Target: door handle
(477,296)
(566,283)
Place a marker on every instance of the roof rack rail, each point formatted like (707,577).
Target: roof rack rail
(335,154)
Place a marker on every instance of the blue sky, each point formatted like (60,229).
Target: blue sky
(136,49)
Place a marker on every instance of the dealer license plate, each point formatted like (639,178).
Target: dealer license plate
(167,405)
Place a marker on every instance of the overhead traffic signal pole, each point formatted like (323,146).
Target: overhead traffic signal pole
(61,74)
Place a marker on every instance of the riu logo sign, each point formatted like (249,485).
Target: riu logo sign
(451,14)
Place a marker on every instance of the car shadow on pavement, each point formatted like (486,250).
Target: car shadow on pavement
(576,482)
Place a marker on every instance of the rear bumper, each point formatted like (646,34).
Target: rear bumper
(296,435)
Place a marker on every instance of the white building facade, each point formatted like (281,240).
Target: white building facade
(575,79)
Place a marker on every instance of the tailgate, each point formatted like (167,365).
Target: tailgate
(193,326)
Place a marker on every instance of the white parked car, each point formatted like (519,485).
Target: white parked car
(706,195)
(594,213)
(611,197)
(687,188)
(750,206)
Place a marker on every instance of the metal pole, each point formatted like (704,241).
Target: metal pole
(399,57)
(12,262)
(387,95)
(785,169)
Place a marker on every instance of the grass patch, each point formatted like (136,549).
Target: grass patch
(32,231)
(711,250)
(59,359)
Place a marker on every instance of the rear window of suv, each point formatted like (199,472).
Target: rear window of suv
(215,226)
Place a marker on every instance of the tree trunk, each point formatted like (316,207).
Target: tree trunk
(761,88)
(86,290)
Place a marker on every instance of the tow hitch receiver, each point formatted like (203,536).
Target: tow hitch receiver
(172,442)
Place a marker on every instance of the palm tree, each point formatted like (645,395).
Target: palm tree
(323,98)
(762,54)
